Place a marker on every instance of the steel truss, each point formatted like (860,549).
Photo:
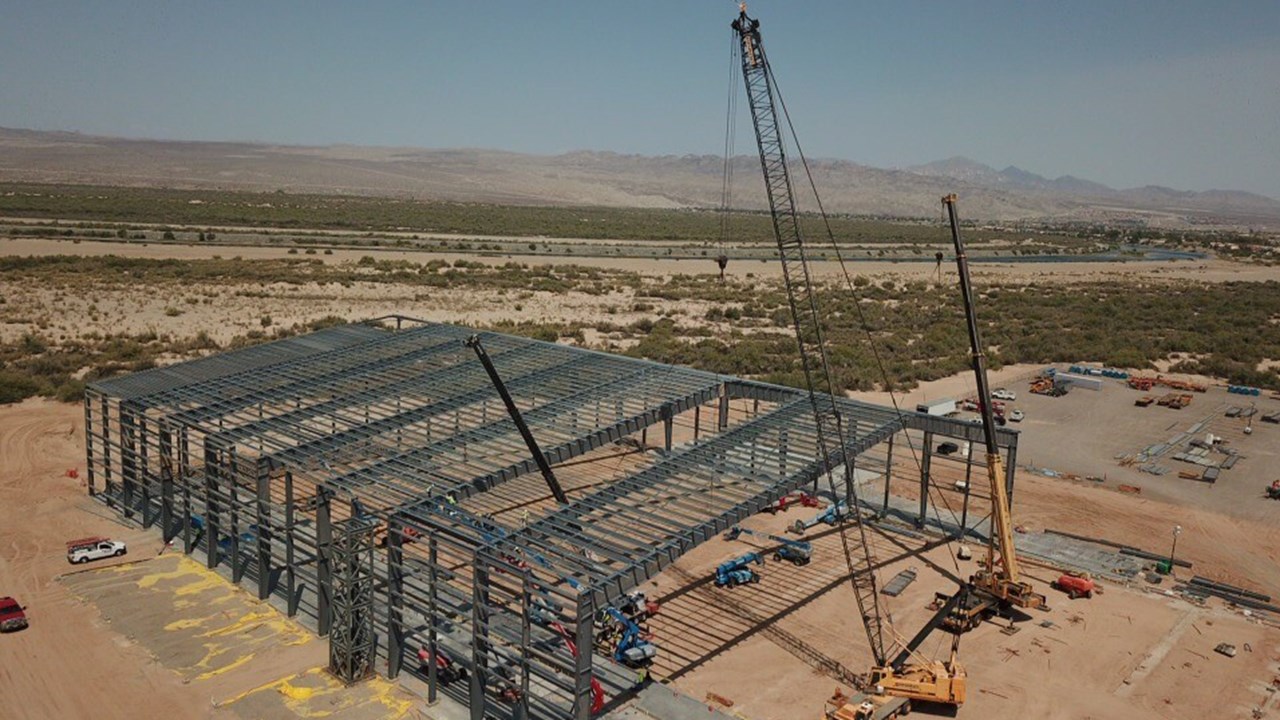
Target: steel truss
(351,636)
(266,460)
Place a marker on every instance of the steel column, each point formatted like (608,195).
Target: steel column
(925,464)
(1010,469)
(479,638)
(88,443)
(433,611)
(395,599)
(290,567)
(106,453)
(233,478)
(888,475)
(142,469)
(324,562)
(582,671)
(263,536)
(167,529)
(128,461)
(211,471)
(184,477)
(968,488)
(526,640)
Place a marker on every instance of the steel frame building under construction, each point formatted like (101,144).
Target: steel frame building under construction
(368,478)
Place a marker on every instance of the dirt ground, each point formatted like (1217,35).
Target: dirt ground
(146,635)
(166,635)
(1124,653)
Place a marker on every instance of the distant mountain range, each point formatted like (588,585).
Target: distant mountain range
(609,179)
(972,171)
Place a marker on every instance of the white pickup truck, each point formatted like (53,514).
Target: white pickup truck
(94,548)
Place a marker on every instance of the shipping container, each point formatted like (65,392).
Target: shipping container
(937,407)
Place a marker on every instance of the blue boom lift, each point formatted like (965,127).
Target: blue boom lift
(798,552)
(631,649)
(831,516)
(738,571)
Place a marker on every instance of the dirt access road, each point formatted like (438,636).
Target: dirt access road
(1210,270)
(67,664)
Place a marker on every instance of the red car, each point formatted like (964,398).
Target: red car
(11,616)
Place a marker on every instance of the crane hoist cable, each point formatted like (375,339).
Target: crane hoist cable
(730,142)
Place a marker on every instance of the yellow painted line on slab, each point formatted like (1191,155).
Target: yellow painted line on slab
(226,668)
(301,693)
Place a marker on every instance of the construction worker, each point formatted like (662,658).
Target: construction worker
(642,676)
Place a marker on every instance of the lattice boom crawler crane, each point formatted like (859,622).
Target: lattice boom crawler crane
(921,679)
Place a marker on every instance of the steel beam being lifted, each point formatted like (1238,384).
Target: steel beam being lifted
(544,467)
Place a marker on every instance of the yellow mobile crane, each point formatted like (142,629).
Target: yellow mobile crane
(998,584)
(906,675)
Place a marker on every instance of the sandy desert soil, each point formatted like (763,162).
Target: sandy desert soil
(69,662)
(1124,653)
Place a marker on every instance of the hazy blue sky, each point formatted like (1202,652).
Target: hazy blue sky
(1179,93)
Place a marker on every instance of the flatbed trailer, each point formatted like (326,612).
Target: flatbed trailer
(863,706)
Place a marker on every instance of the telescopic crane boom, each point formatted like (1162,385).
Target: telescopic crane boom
(999,579)
(930,681)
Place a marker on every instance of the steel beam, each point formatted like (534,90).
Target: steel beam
(957,429)
(513,410)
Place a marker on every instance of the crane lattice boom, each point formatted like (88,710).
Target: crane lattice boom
(804,310)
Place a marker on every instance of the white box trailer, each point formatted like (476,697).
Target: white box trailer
(1080,381)
(937,407)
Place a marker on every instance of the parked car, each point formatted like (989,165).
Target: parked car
(12,617)
(1004,394)
(947,448)
(1017,416)
(94,548)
